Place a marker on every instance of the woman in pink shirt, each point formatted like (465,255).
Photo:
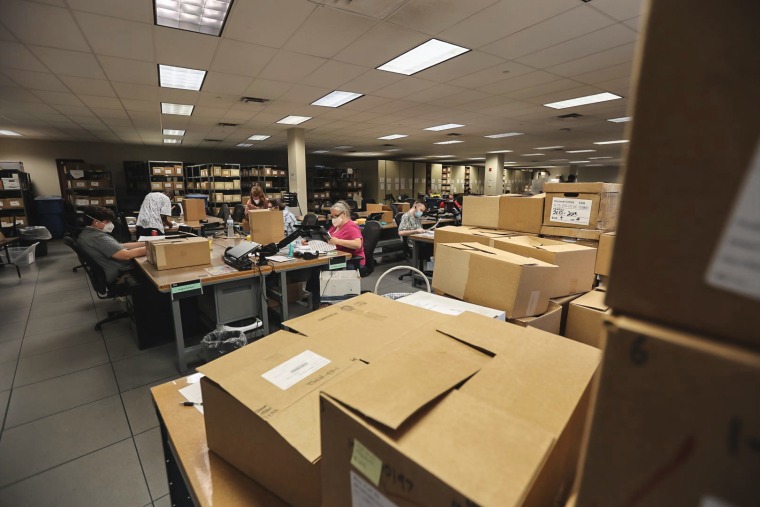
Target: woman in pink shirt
(346,235)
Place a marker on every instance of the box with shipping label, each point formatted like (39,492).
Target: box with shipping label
(216,171)
(95,201)
(575,262)
(108,200)
(157,171)
(194,209)
(449,306)
(698,242)
(13,203)
(168,185)
(494,278)
(228,185)
(675,421)
(457,438)
(97,184)
(226,173)
(549,321)
(156,185)
(168,171)
(77,184)
(79,200)
(582,205)
(266,226)
(179,185)
(236,184)
(178,170)
(9,220)
(178,253)
(604,254)
(585,317)
(11,184)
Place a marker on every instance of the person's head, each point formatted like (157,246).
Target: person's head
(100,218)
(277,204)
(168,192)
(340,213)
(450,197)
(418,208)
(257,195)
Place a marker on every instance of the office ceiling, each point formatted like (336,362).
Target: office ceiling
(86,70)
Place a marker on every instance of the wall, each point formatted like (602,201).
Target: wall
(607,174)
(436,173)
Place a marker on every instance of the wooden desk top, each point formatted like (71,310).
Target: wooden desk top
(211,480)
(430,221)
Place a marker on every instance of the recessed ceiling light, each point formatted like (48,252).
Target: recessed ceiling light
(501,151)
(172,141)
(505,163)
(619,141)
(548,147)
(422,57)
(180,77)
(445,127)
(244,145)
(580,151)
(258,137)
(193,15)
(453,141)
(336,99)
(594,165)
(394,149)
(505,134)
(8,133)
(478,158)
(180,109)
(321,151)
(343,147)
(440,156)
(172,132)
(557,160)
(394,136)
(578,161)
(622,119)
(582,101)
(597,158)
(533,154)
(294,120)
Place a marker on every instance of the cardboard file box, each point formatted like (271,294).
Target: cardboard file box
(549,321)
(108,200)
(470,234)
(266,226)
(178,253)
(585,317)
(585,237)
(582,205)
(194,209)
(156,185)
(508,212)
(77,184)
(604,254)
(448,306)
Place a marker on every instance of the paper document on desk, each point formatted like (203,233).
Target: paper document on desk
(193,393)
(150,238)
(279,258)
(220,270)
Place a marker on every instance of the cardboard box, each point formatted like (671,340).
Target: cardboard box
(507,212)
(78,184)
(266,226)
(178,253)
(168,171)
(604,254)
(156,185)
(80,200)
(216,171)
(8,220)
(235,173)
(97,184)
(457,438)
(108,200)
(481,211)
(585,237)
(194,209)
(403,207)
(469,234)
(157,171)
(681,232)
(585,318)
(494,278)
(228,185)
(236,184)
(95,201)
(549,321)
(449,306)
(178,170)
(179,186)
(564,302)
(582,205)
(675,421)
(575,262)
(226,173)
(12,203)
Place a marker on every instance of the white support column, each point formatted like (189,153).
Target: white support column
(494,174)
(297,165)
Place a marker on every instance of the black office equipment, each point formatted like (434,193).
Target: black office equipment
(238,256)
(375,216)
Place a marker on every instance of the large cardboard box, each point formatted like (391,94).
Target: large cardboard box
(194,209)
(585,318)
(549,321)
(494,278)
(178,253)
(385,210)
(564,302)
(675,421)
(449,306)
(266,226)
(575,262)
(686,256)
(481,211)
(433,423)
(582,205)
(604,254)
(469,234)
(12,203)
(522,213)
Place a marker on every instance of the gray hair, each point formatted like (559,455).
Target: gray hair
(343,207)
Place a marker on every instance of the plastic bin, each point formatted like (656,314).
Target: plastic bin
(50,214)
(220,342)
(22,256)
(35,234)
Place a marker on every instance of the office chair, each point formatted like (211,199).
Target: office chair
(69,241)
(239,213)
(404,243)
(121,229)
(394,209)
(310,219)
(351,204)
(367,201)
(354,215)
(97,278)
(371,235)
(176,209)
(224,212)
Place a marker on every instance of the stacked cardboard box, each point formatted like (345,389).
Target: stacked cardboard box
(506,212)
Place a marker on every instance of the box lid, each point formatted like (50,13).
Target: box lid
(584,188)
(593,300)
(546,244)
(478,249)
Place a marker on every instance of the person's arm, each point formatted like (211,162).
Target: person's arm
(134,244)
(165,220)
(128,254)
(405,227)
(353,244)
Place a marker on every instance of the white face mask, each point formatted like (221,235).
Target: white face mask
(336,221)
(256,201)
(108,228)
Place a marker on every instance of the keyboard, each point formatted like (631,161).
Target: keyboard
(317,245)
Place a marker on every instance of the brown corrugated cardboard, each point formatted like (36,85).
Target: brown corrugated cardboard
(12,203)
(494,278)
(604,254)
(469,234)
(194,209)
(585,317)
(491,442)
(667,239)
(481,211)
(582,205)
(109,200)
(571,234)
(178,253)
(564,302)
(549,321)
(675,421)
(266,226)
(522,213)
(575,262)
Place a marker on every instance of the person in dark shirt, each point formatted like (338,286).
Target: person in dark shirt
(115,258)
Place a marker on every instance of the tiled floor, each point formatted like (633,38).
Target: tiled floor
(78,424)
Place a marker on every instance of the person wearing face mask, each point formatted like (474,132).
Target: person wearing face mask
(115,258)
(346,235)
(411,222)
(258,200)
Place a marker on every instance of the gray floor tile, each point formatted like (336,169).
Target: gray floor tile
(59,339)
(60,362)
(121,341)
(68,305)
(164,501)
(53,322)
(61,284)
(148,366)
(139,406)
(9,350)
(4,398)
(111,476)
(13,331)
(151,453)
(7,371)
(79,293)
(42,444)
(60,393)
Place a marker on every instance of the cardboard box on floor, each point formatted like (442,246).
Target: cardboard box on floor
(585,318)
(494,278)
(549,321)
(265,226)
(507,212)
(432,423)
(604,253)
(675,421)
(668,240)
(582,205)
(575,262)
(178,253)
(449,306)
(194,209)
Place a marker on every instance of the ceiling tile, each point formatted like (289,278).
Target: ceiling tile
(432,16)
(538,90)
(462,65)
(491,75)
(6,81)
(327,31)
(184,49)
(69,63)
(5,34)
(622,70)
(149,106)
(371,81)
(334,74)
(519,82)
(16,56)
(59,98)
(43,25)
(111,114)
(135,10)
(209,112)
(291,67)
(405,87)
(117,37)
(213,99)
(226,83)
(619,10)
(175,96)
(266,89)
(36,80)
(305,94)
(135,91)
(601,60)
(434,93)
(634,23)
(266,22)
(380,45)
(129,71)
(86,86)
(241,58)
(72,110)
(94,101)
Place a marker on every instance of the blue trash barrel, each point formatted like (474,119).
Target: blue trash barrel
(50,214)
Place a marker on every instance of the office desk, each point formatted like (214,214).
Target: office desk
(320,218)
(194,224)
(4,244)
(196,476)
(431,221)
(417,239)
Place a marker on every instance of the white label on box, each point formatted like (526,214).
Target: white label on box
(364,495)
(295,369)
(94,183)
(735,266)
(711,501)
(571,211)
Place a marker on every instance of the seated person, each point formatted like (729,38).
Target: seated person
(450,204)
(258,200)
(287,216)
(346,235)
(411,224)
(96,241)
(155,211)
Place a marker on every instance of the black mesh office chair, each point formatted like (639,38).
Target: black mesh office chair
(410,201)
(405,245)
(371,234)
(121,229)
(239,213)
(176,209)
(394,209)
(224,212)
(310,219)
(354,215)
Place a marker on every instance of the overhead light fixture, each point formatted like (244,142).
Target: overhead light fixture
(453,141)
(446,126)
(343,147)
(393,136)
(578,162)
(580,151)
(505,134)
(582,101)
(258,137)
(9,133)
(505,163)
(244,145)
(180,77)
(172,141)
(478,158)
(206,17)
(180,109)
(557,160)
(321,151)
(394,149)
(336,99)
(440,156)
(172,132)
(619,141)
(533,154)
(501,151)
(294,120)
(548,147)
(422,57)
(597,158)
(622,119)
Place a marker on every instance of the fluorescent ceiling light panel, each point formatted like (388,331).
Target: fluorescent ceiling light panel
(172,132)
(533,154)
(393,136)
(548,147)
(422,57)
(343,147)
(619,141)
(478,158)
(202,16)
(180,77)
(440,156)
(294,120)
(258,137)
(453,141)
(172,141)
(447,126)
(505,163)
(582,101)
(394,149)
(321,151)
(505,134)
(580,151)
(181,109)
(244,145)
(597,158)
(8,133)
(557,160)
(622,119)
(336,99)
(501,151)
(579,161)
